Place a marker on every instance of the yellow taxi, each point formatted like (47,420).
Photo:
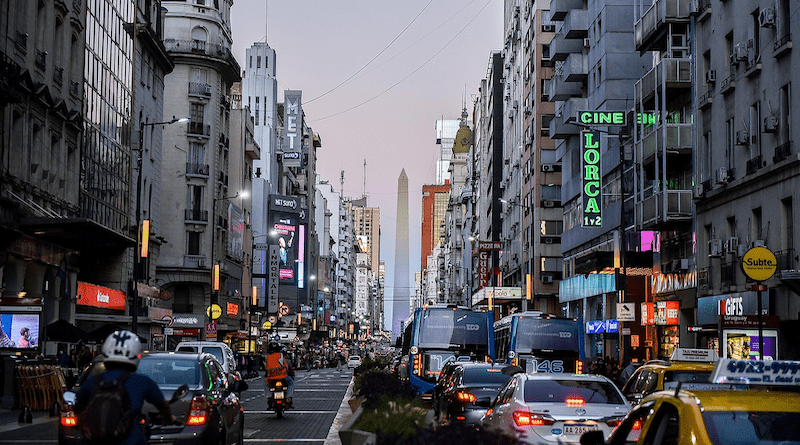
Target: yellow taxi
(685,365)
(757,403)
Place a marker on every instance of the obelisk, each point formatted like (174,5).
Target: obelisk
(402,291)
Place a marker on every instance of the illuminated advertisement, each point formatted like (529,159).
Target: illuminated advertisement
(235,245)
(285,232)
(743,344)
(667,313)
(19,331)
(590,168)
(292,129)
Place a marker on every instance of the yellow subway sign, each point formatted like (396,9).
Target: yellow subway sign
(602,118)
(590,170)
(759,263)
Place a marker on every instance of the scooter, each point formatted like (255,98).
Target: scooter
(277,398)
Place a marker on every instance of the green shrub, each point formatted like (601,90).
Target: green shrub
(396,418)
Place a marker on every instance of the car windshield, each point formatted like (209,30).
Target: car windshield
(170,370)
(355,357)
(750,427)
(485,376)
(558,391)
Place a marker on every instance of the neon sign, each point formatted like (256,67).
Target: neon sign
(590,168)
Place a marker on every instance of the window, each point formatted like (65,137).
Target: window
(192,246)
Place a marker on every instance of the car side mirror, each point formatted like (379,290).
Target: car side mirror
(594,437)
(69,397)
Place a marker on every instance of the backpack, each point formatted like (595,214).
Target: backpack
(108,416)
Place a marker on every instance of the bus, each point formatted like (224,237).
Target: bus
(436,334)
(539,342)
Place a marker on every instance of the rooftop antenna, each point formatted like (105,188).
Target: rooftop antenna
(341,185)
(364,190)
(266,21)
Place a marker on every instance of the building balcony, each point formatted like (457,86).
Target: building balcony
(216,54)
(575,68)
(661,209)
(560,8)
(782,152)
(576,24)
(561,47)
(560,89)
(198,129)
(196,215)
(570,107)
(660,14)
(559,129)
(669,73)
(200,89)
(782,45)
(197,169)
(674,138)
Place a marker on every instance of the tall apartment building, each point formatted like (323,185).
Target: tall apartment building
(202,199)
(445,138)
(596,67)
(746,170)
(435,199)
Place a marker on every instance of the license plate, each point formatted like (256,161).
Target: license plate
(579,429)
(278,395)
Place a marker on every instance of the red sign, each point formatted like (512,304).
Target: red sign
(648,314)
(98,296)
(232,309)
(189,332)
(667,313)
(483,269)
(211,328)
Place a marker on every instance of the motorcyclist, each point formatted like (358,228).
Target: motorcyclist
(121,353)
(277,367)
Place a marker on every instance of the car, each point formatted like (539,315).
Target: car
(218,349)
(465,390)
(353,361)
(717,414)
(210,412)
(545,408)
(685,365)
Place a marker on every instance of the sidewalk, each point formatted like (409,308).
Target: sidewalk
(342,415)
(9,419)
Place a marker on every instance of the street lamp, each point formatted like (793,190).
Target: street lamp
(529,279)
(142,226)
(214,266)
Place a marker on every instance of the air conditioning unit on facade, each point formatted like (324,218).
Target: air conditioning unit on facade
(208,89)
(722,175)
(770,124)
(547,279)
(740,51)
(741,250)
(711,76)
(587,42)
(699,190)
(548,203)
(548,167)
(548,28)
(742,137)
(732,245)
(201,262)
(715,248)
(759,243)
(766,18)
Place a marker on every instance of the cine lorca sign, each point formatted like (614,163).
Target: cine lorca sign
(590,166)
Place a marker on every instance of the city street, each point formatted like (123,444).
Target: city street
(318,397)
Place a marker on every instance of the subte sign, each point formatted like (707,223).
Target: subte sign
(759,264)
(590,168)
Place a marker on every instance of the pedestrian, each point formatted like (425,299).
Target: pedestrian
(121,351)
(338,362)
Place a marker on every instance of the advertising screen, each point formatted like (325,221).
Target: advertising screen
(19,331)
(286,235)
(743,344)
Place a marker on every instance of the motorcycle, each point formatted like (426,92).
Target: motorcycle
(276,400)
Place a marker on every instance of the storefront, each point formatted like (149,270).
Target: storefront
(184,327)
(724,317)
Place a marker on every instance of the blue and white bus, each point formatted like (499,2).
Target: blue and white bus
(436,334)
(538,342)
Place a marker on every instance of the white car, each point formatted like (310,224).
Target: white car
(353,362)
(545,408)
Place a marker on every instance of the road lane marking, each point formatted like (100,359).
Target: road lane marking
(289,411)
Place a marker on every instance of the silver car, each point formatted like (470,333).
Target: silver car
(546,408)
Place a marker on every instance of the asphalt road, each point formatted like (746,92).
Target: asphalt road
(318,400)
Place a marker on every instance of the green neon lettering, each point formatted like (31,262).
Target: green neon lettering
(590,141)
(591,206)
(591,156)
(592,189)
(591,172)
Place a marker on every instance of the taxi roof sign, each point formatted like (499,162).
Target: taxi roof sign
(758,372)
(694,355)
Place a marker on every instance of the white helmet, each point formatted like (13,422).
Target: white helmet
(122,347)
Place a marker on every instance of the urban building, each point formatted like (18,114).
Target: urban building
(435,199)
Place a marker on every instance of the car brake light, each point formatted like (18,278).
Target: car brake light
(68,419)
(637,425)
(526,418)
(198,411)
(614,422)
(575,401)
(466,397)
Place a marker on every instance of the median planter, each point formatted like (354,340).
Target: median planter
(349,435)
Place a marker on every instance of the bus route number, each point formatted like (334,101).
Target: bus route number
(546,365)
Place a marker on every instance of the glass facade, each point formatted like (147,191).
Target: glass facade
(106,173)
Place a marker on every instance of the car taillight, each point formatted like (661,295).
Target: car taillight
(526,418)
(575,401)
(614,422)
(68,419)
(465,397)
(637,425)
(198,411)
